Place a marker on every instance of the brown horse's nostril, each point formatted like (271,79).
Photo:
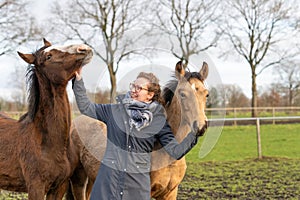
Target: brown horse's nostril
(82,49)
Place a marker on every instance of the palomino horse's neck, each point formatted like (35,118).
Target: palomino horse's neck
(53,115)
(175,120)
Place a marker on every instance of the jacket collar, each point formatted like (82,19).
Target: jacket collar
(120,97)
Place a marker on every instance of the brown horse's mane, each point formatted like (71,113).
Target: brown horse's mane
(33,89)
(170,87)
(33,93)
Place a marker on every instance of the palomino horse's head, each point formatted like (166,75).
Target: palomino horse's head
(58,63)
(191,94)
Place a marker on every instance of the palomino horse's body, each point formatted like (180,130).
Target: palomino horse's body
(33,149)
(185,102)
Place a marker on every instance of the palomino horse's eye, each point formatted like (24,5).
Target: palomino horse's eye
(182,95)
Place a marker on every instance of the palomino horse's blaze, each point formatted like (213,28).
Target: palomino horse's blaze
(186,99)
(33,149)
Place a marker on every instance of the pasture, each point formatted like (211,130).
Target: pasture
(232,171)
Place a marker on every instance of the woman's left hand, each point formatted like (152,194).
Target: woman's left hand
(78,74)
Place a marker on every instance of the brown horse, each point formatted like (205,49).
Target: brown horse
(185,99)
(33,149)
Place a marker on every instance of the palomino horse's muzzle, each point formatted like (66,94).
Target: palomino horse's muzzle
(199,131)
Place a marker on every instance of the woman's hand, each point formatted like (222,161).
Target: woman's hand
(78,74)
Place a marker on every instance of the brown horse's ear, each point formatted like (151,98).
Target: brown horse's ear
(179,70)
(29,58)
(204,71)
(46,43)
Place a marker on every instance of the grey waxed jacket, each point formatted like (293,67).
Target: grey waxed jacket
(125,167)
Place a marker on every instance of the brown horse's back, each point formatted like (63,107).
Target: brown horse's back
(9,167)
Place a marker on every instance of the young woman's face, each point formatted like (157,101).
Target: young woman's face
(139,90)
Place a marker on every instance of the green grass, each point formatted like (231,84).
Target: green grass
(269,178)
(240,142)
(232,171)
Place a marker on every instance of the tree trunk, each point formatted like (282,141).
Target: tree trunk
(290,96)
(113,90)
(254,94)
(113,83)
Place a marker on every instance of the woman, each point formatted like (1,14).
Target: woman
(134,124)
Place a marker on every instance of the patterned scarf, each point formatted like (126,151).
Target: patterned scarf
(139,112)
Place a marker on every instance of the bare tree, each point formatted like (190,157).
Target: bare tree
(259,31)
(19,95)
(270,97)
(214,99)
(190,24)
(230,95)
(289,80)
(105,22)
(234,96)
(16,25)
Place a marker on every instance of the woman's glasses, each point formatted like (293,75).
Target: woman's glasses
(136,88)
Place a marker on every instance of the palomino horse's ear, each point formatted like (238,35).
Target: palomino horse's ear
(46,43)
(29,58)
(204,71)
(179,70)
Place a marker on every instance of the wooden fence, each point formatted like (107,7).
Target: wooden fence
(257,121)
(239,116)
(242,112)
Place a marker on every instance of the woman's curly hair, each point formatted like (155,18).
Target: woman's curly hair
(153,86)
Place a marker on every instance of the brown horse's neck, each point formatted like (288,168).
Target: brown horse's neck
(53,115)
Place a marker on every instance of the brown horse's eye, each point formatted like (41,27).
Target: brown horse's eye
(48,57)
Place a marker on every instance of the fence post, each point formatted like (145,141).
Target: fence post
(234,116)
(258,139)
(273,114)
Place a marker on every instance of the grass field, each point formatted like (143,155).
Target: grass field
(269,178)
(232,171)
(239,143)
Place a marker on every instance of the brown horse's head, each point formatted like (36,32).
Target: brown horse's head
(58,63)
(50,68)
(190,91)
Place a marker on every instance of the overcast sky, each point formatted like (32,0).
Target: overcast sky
(230,72)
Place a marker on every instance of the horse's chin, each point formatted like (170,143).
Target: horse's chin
(87,59)
(201,130)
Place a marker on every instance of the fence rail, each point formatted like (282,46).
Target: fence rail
(231,112)
(245,112)
(257,121)
(222,120)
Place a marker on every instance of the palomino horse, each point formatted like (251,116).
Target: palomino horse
(185,99)
(33,149)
